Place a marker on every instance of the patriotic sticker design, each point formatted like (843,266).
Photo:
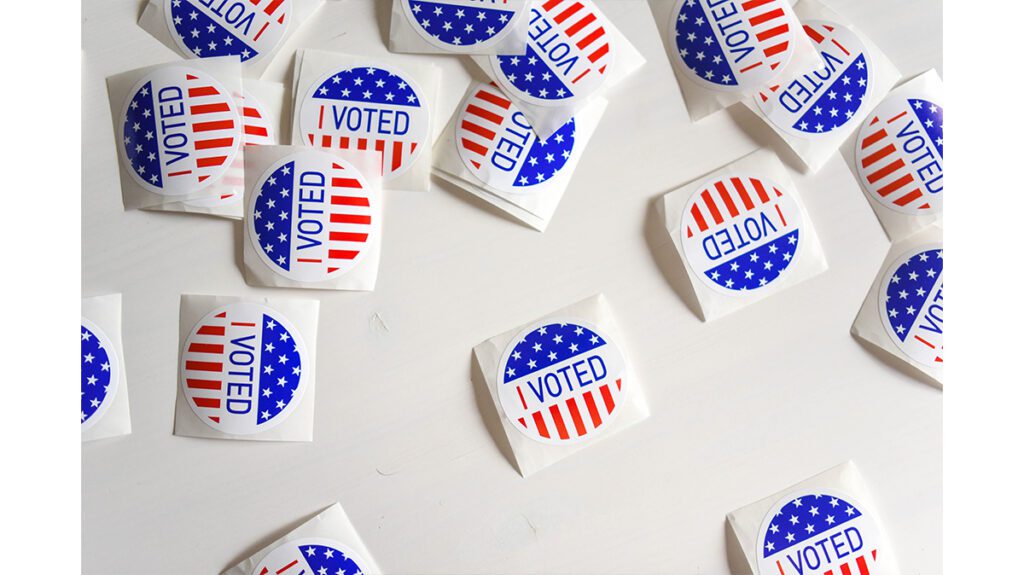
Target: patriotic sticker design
(562,381)
(366,108)
(464,25)
(242,368)
(311,556)
(497,143)
(313,216)
(181,131)
(733,45)
(100,373)
(910,299)
(567,56)
(818,533)
(741,233)
(823,100)
(249,29)
(899,155)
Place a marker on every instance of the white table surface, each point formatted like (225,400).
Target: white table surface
(741,407)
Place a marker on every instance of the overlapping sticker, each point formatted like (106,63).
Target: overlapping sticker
(249,29)
(242,368)
(562,381)
(498,145)
(899,155)
(733,45)
(311,556)
(100,373)
(463,25)
(313,216)
(828,99)
(181,131)
(910,302)
(740,234)
(819,532)
(367,108)
(567,58)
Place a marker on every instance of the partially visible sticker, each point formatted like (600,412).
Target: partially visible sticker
(367,108)
(910,301)
(899,155)
(181,131)
(100,373)
(825,100)
(819,532)
(733,45)
(311,556)
(562,381)
(464,25)
(567,58)
(498,145)
(249,29)
(740,234)
(313,216)
(243,368)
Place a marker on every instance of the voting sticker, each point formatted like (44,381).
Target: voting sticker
(242,368)
(568,54)
(464,25)
(733,45)
(311,556)
(249,29)
(100,373)
(362,108)
(899,155)
(498,145)
(313,216)
(740,234)
(821,532)
(562,381)
(180,131)
(910,301)
(828,99)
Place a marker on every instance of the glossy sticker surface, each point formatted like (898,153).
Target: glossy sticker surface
(910,302)
(100,373)
(249,29)
(463,25)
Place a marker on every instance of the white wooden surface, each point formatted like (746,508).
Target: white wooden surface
(741,407)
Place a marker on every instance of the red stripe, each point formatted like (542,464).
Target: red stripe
(873,139)
(559,424)
(209,108)
(542,427)
(845,568)
(595,415)
(776,49)
(342,254)
(773,32)
(568,12)
(260,33)
(485,114)
(212,161)
(206,347)
(474,147)
(550,4)
(478,130)
(202,91)
(256,131)
(760,191)
(742,191)
(862,565)
(286,567)
(597,54)
(347,183)
(712,208)
(590,38)
(895,185)
(778,210)
(752,66)
(494,99)
(347,237)
(908,198)
(751,4)
(699,218)
(897,117)
(396,155)
(214,143)
(251,113)
(576,419)
(182,173)
(890,149)
(204,384)
(362,144)
(204,366)
(841,47)
(310,260)
(269,10)
(885,171)
(818,38)
(243,324)
(349,219)
(583,23)
(325,141)
(521,398)
(210,402)
(210,126)
(350,201)
(769,15)
(606,395)
(729,205)
(211,330)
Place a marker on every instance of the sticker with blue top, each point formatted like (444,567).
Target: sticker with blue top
(498,145)
(740,234)
(100,373)
(569,52)
(311,556)
(249,29)
(910,301)
(818,532)
(823,101)
(464,25)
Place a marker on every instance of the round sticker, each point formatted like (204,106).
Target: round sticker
(910,300)
(311,556)
(741,233)
(242,368)
(463,25)
(257,130)
(820,532)
(249,29)
(497,144)
(181,131)
(733,46)
(899,155)
(827,99)
(312,217)
(567,55)
(367,109)
(562,381)
(100,372)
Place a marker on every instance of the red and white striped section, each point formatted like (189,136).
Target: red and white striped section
(394,152)
(349,222)
(214,125)
(769,23)
(203,366)
(823,35)
(584,26)
(857,566)
(882,167)
(484,115)
(270,8)
(727,199)
(575,417)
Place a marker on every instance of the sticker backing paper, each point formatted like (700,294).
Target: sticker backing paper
(104,393)
(458,26)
